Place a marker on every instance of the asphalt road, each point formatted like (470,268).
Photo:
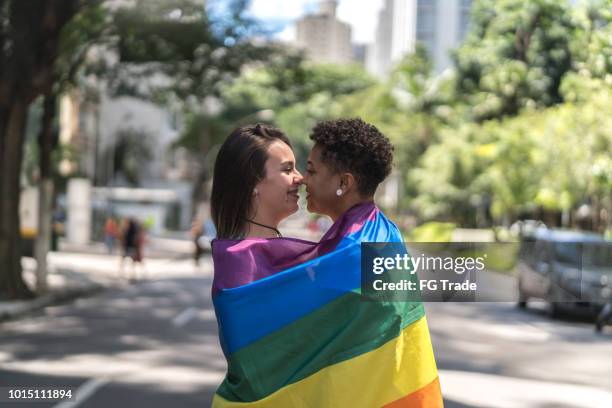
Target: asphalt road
(154,343)
(496,355)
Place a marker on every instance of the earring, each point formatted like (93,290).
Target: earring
(255,192)
(339,192)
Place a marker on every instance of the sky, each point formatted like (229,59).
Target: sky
(281,14)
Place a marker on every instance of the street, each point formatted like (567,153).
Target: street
(154,343)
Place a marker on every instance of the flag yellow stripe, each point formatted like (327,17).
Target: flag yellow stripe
(397,368)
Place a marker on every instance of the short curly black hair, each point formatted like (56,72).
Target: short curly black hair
(357,147)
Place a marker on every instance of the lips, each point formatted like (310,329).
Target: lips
(294,193)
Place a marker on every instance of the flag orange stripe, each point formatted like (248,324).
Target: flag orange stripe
(429,396)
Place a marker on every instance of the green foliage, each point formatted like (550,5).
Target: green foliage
(447,174)
(522,125)
(431,232)
(90,26)
(296,93)
(514,57)
(498,257)
(179,51)
(554,158)
(414,87)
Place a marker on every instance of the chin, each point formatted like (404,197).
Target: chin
(293,209)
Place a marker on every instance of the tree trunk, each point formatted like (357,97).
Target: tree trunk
(12,128)
(45,192)
(29,42)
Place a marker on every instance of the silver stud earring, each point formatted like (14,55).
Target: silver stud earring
(339,192)
(255,192)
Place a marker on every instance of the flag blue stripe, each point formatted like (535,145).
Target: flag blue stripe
(244,313)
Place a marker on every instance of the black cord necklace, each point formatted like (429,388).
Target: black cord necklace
(278,234)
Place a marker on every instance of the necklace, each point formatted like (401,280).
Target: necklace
(278,234)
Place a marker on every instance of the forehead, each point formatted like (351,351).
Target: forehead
(315,154)
(279,152)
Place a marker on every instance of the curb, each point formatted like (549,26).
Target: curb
(20,308)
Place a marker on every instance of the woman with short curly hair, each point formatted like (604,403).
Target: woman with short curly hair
(348,161)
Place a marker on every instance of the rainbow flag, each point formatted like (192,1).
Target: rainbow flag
(296,332)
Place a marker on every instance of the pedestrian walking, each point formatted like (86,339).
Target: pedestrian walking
(110,234)
(196,233)
(133,239)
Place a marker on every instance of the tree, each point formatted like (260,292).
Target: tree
(174,49)
(83,31)
(525,131)
(514,56)
(31,65)
(29,45)
(286,91)
(446,177)
(176,52)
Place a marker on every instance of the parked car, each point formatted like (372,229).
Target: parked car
(569,270)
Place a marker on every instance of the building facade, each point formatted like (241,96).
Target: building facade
(323,37)
(95,128)
(440,25)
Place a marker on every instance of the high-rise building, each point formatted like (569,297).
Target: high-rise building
(324,37)
(439,25)
(378,54)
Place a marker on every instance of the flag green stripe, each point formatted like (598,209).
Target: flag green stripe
(344,328)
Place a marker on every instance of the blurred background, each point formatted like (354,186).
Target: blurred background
(111,115)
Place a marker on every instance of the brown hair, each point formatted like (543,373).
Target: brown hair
(240,165)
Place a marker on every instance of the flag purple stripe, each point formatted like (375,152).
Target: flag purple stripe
(249,260)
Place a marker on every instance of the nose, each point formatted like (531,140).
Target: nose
(298,179)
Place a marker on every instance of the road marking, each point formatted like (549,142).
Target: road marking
(184,317)
(84,392)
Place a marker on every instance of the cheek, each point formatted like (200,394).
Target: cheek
(276,187)
(320,189)
(318,184)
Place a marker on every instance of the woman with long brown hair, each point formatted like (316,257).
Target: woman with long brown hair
(255,183)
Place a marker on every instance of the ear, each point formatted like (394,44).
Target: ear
(348,182)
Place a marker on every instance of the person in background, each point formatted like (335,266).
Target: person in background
(132,239)
(196,233)
(141,239)
(110,234)
(57,230)
(209,229)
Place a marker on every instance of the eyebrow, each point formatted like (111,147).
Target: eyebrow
(287,162)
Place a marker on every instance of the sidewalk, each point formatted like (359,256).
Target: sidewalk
(83,270)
